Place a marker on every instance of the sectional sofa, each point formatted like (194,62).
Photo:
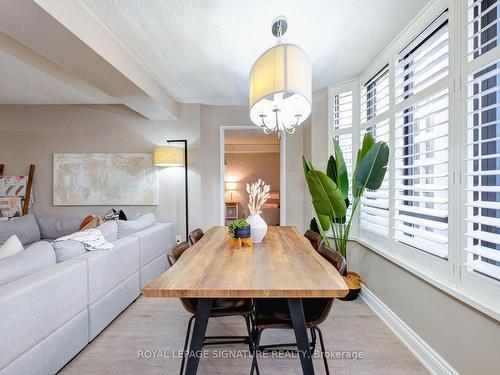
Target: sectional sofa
(55,297)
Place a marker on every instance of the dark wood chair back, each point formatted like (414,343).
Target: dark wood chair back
(314,238)
(174,254)
(316,310)
(334,257)
(195,236)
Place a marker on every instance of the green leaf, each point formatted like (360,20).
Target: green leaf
(305,165)
(368,143)
(326,196)
(324,221)
(331,169)
(342,179)
(373,166)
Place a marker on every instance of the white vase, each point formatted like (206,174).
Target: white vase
(258,228)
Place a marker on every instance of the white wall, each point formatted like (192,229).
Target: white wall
(31,134)
(212,118)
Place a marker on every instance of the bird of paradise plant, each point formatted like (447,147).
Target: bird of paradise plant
(330,190)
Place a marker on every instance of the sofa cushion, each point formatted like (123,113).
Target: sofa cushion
(126,228)
(109,268)
(155,241)
(35,306)
(11,247)
(52,227)
(109,230)
(68,249)
(24,227)
(34,258)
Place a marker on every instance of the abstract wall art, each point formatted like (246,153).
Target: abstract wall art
(94,179)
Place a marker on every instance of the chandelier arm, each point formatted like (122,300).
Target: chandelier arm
(264,126)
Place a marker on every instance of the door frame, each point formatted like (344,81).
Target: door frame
(222,207)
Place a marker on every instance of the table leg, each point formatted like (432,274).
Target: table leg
(200,328)
(299,327)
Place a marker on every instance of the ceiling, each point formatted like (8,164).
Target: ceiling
(202,50)
(151,55)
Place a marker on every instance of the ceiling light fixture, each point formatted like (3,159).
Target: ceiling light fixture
(280,85)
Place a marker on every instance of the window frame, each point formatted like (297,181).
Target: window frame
(475,283)
(448,275)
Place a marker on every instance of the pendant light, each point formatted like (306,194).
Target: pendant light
(280,85)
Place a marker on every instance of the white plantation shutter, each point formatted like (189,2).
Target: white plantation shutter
(374,211)
(374,116)
(421,141)
(341,123)
(483,141)
(482,27)
(424,61)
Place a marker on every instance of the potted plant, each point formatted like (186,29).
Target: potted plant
(239,229)
(330,193)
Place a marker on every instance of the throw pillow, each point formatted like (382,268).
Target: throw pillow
(86,221)
(94,223)
(112,214)
(24,227)
(52,227)
(121,215)
(11,247)
(126,228)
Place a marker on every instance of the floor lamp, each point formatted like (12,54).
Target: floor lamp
(174,156)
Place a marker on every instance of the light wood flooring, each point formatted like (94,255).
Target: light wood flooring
(159,324)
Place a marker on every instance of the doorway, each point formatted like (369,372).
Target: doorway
(247,155)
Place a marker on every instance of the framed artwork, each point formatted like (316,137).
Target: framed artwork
(103,179)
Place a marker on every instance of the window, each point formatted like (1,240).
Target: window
(374,209)
(421,142)
(341,128)
(483,143)
(438,210)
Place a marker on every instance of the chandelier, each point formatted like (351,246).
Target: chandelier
(280,86)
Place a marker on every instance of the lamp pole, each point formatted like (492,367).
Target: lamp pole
(184,142)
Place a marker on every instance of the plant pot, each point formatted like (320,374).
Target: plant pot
(242,232)
(258,228)
(353,281)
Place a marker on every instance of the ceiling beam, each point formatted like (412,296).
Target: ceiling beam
(77,19)
(25,54)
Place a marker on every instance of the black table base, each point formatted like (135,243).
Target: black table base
(200,328)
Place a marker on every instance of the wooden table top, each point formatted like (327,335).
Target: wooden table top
(284,265)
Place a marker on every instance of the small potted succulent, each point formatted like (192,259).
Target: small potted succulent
(239,229)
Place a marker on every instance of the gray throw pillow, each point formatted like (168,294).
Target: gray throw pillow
(109,230)
(52,227)
(24,227)
(34,258)
(126,228)
(68,249)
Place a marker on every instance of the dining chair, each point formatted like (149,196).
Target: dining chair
(314,238)
(274,313)
(195,236)
(222,307)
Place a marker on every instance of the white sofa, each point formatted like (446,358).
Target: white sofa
(52,310)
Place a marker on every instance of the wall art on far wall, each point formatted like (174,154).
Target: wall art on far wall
(94,179)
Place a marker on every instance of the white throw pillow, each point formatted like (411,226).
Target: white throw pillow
(11,247)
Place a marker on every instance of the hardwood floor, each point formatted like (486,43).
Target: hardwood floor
(159,324)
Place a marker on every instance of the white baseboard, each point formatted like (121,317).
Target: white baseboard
(424,353)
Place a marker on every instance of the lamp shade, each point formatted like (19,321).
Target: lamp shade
(280,88)
(231,185)
(168,156)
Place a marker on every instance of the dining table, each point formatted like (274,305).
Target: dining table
(284,265)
